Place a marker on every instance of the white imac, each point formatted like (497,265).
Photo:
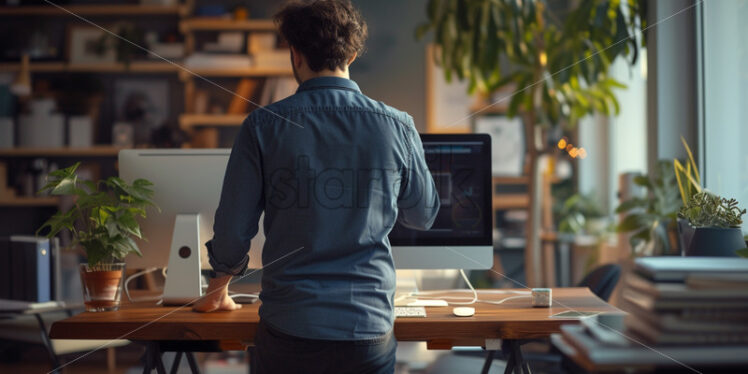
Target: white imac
(187,189)
(461,236)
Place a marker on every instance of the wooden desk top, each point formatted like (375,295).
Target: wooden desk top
(514,319)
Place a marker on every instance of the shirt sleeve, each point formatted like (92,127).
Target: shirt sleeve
(418,203)
(242,202)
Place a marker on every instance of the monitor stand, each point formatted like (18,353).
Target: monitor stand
(183,279)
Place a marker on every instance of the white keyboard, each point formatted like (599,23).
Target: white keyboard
(410,312)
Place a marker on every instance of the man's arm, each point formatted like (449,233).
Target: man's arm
(418,202)
(236,220)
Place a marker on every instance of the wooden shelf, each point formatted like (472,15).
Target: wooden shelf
(511,201)
(29,201)
(95,151)
(94,10)
(511,180)
(225,24)
(188,121)
(60,67)
(238,72)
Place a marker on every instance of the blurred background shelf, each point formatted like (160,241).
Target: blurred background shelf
(238,72)
(95,151)
(188,121)
(93,10)
(223,24)
(511,201)
(61,67)
(29,201)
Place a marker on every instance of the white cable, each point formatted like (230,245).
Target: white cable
(425,294)
(470,285)
(504,299)
(130,278)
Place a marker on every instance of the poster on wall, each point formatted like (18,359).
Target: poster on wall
(447,103)
(507,143)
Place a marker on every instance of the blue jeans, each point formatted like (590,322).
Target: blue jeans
(276,352)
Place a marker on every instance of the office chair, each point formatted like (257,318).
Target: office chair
(603,280)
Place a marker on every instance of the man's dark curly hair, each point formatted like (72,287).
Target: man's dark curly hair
(326,32)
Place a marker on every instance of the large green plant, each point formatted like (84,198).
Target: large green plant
(556,59)
(652,218)
(103,218)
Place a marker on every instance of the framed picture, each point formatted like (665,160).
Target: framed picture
(447,103)
(142,103)
(85,46)
(507,143)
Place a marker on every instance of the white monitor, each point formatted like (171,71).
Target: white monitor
(461,236)
(187,189)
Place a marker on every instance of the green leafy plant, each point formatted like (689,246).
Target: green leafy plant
(555,55)
(707,210)
(689,180)
(103,218)
(576,211)
(652,218)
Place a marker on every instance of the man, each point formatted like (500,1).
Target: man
(332,170)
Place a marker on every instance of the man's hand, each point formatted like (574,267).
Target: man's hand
(216,297)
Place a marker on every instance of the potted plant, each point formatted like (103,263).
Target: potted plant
(652,218)
(103,221)
(716,222)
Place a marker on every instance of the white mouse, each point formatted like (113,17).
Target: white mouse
(463,311)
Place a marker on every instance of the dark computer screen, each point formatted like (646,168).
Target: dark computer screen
(461,167)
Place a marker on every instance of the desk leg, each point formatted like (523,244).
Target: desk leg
(488,363)
(515,362)
(48,344)
(153,359)
(175,364)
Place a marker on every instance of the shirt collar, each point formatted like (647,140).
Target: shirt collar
(328,82)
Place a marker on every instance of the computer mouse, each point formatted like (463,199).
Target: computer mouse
(463,311)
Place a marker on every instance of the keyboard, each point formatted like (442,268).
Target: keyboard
(410,312)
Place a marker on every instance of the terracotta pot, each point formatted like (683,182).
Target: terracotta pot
(102,286)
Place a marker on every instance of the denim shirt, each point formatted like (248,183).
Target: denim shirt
(333,170)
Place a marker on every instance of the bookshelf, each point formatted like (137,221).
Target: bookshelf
(189,25)
(189,121)
(13,202)
(64,67)
(95,151)
(260,72)
(95,10)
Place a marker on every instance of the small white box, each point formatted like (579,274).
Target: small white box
(41,130)
(80,131)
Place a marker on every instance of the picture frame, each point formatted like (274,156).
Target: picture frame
(142,103)
(508,143)
(81,46)
(448,104)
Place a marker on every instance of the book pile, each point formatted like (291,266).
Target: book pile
(682,311)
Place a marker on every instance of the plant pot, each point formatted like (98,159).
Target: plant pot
(102,286)
(715,242)
(685,233)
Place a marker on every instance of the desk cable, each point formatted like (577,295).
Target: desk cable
(159,298)
(475,299)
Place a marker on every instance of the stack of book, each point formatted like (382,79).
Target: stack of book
(695,306)
(682,311)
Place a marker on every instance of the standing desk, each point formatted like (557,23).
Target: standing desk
(494,327)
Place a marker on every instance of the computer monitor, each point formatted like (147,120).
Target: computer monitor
(187,189)
(461,236)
